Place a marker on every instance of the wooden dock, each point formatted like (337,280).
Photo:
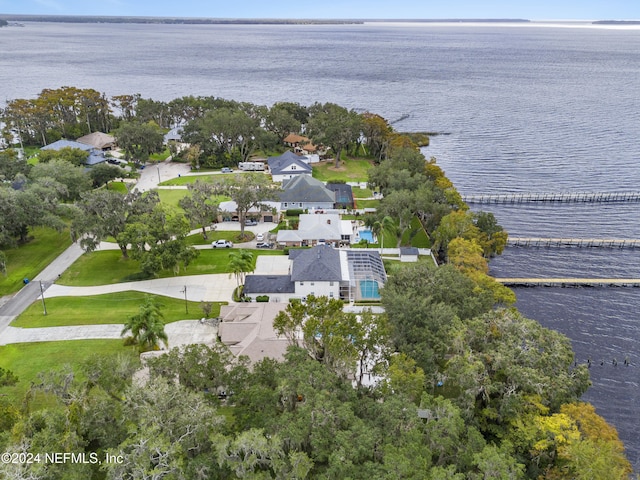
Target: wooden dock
(570,282)
(573,242)
(550,197)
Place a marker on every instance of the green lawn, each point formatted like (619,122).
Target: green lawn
(103,309)
(186,179)
(118,187)
(30,259)
(350,170)
(108,266)
(26,360)
(367,203)
(362,192)
(172,197)
(160,157)
(416,236)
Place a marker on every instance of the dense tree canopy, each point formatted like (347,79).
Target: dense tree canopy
(446,384)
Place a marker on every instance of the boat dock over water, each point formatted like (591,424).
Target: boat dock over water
(575,197)
(570,282)
(542,242)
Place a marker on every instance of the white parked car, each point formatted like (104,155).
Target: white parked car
(260,237)
(221,244)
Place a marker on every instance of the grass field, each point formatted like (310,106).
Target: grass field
(416,236)
(159,157)
(367,203)
(26,360)
(30,259)
(186,179)
(362,192)
(172,197)
(103,309)
(350,170)
(118,187)
(108,266)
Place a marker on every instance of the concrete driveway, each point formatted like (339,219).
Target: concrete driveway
(208,288)
(184,332)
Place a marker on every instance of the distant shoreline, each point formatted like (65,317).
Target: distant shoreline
(234,21)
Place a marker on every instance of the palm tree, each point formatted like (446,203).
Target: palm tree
(382,227)
(147,326)
(240,263)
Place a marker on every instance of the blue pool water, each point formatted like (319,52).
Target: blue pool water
(366,235)
(369,289)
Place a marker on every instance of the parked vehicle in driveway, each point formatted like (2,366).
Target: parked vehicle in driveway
(250,222)
(260,237)
(264,245)
(221,244)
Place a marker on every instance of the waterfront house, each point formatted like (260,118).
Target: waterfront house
(348,274)
(306,193)
(287,166)
(318,228)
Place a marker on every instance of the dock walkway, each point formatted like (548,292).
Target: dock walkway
(550,197)
(573,242)
(570,282)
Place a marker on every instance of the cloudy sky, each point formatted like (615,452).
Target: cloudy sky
(374,9)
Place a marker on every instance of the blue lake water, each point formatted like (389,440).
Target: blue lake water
(521,108)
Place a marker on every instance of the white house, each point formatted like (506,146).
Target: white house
(286,166)
(354,274)
(319,228)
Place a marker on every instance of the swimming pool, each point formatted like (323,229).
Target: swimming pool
(369,290)
(366,234)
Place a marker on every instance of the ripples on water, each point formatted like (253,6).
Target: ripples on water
(527,109)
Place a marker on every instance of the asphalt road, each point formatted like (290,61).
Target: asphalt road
(31,292)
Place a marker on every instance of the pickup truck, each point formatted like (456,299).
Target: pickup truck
(221,244)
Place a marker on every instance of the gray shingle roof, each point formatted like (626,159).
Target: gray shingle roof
(95,156)
(305,188)
(321,263)
(268,284)
(278,164)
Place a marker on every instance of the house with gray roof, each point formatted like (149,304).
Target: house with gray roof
(307,193)
(287,165)
(348,274)
(343,194)
(96,156)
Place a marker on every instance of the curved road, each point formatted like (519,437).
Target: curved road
(196,289)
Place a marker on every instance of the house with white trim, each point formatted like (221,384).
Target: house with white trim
(348,274)
(307,193)
(287,166)
(318,229)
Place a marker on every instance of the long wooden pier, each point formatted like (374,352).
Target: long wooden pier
(549,197)
(573,242)
(570,282)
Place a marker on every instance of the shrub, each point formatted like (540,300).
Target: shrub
(294,212)
(262,298)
